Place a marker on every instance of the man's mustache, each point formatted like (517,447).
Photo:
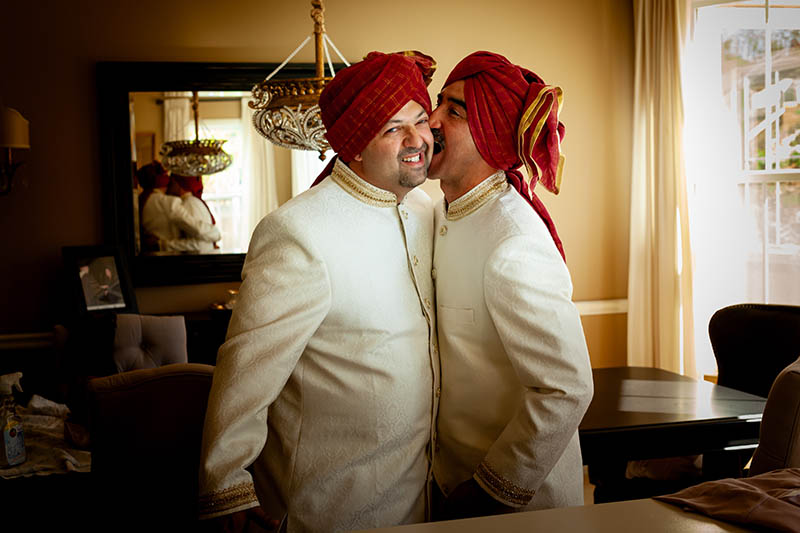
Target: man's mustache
(409,151)
(438,140)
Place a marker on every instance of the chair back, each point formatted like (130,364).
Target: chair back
(779,439)
(146,429)
(148,341)
(753,343)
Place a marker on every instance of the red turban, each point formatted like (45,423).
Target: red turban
(513,119)
(363,97)
(192,184)
(152,175)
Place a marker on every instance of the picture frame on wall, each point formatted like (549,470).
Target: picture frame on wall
(145,148)
(100,280)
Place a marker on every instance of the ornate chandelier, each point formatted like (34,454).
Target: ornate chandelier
(286,110)
(199,157)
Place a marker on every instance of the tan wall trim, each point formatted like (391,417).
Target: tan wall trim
(602,307)
(33,341)
(26,341)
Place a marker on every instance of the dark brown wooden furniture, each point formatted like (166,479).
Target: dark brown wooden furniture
(648,413)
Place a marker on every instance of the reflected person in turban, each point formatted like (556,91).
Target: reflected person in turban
(166,224)
(190,190)
(516,372)
(322,403)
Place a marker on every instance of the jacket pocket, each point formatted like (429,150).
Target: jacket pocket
(455,315)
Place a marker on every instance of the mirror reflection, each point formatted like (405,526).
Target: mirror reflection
(205,214)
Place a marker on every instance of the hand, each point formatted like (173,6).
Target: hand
(469,500)
(240,522)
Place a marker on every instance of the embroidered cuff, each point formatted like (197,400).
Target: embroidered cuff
(228,499)
(502,488)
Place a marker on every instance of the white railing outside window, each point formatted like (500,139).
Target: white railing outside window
(742,94)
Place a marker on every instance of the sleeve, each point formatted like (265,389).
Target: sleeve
(199,212)
(284,297)
(528,293)
(193,227)
(182,245)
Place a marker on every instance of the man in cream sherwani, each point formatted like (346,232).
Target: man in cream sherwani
(516,376)
(322,405)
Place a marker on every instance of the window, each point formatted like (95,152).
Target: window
(306,166)
(742,86)
(224,191)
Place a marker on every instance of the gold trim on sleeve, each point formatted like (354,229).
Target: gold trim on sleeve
(229,498)
(502,487)
(360,189)
(477,197)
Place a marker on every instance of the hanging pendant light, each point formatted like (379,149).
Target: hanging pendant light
(287,113)
(199,157)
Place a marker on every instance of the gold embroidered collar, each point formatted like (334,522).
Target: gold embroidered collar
(479,195)
(360,189)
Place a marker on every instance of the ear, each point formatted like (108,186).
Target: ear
(358,158)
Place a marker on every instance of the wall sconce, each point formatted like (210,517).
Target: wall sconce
(14,134)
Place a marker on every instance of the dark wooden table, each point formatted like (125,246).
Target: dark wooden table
(645,413)
(648,413)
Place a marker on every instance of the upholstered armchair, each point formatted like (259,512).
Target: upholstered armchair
(779,439)
(147,341)
(146,428)
(108,343)
(753,343)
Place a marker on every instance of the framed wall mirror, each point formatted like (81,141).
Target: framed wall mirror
(136,101)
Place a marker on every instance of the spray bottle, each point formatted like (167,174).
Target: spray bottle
(12,442)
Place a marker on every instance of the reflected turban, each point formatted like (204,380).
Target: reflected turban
(152,175)
(364,96)
(192,184)
(513,119)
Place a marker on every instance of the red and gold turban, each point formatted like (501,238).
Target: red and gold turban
(363,97)
(152,175)
(192,184)
(513,119)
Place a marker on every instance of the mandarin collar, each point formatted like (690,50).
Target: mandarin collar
(360,189)
(467,204)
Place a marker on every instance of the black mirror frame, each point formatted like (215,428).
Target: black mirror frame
(115,80)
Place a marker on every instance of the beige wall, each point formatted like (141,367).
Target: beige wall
(47,56)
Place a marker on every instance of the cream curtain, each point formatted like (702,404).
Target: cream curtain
(660,323)
(178,117)
(258,171)
(306,166)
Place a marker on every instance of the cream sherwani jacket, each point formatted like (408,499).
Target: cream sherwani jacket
(516,376)
(203,242)
(165,216)
(329,359)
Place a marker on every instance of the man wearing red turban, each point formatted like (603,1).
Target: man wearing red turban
(517,376)
(190,190)
(323,403)
(167,225)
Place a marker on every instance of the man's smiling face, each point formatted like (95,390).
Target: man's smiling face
(397,158)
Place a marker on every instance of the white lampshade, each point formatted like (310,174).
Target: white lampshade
(14,129)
